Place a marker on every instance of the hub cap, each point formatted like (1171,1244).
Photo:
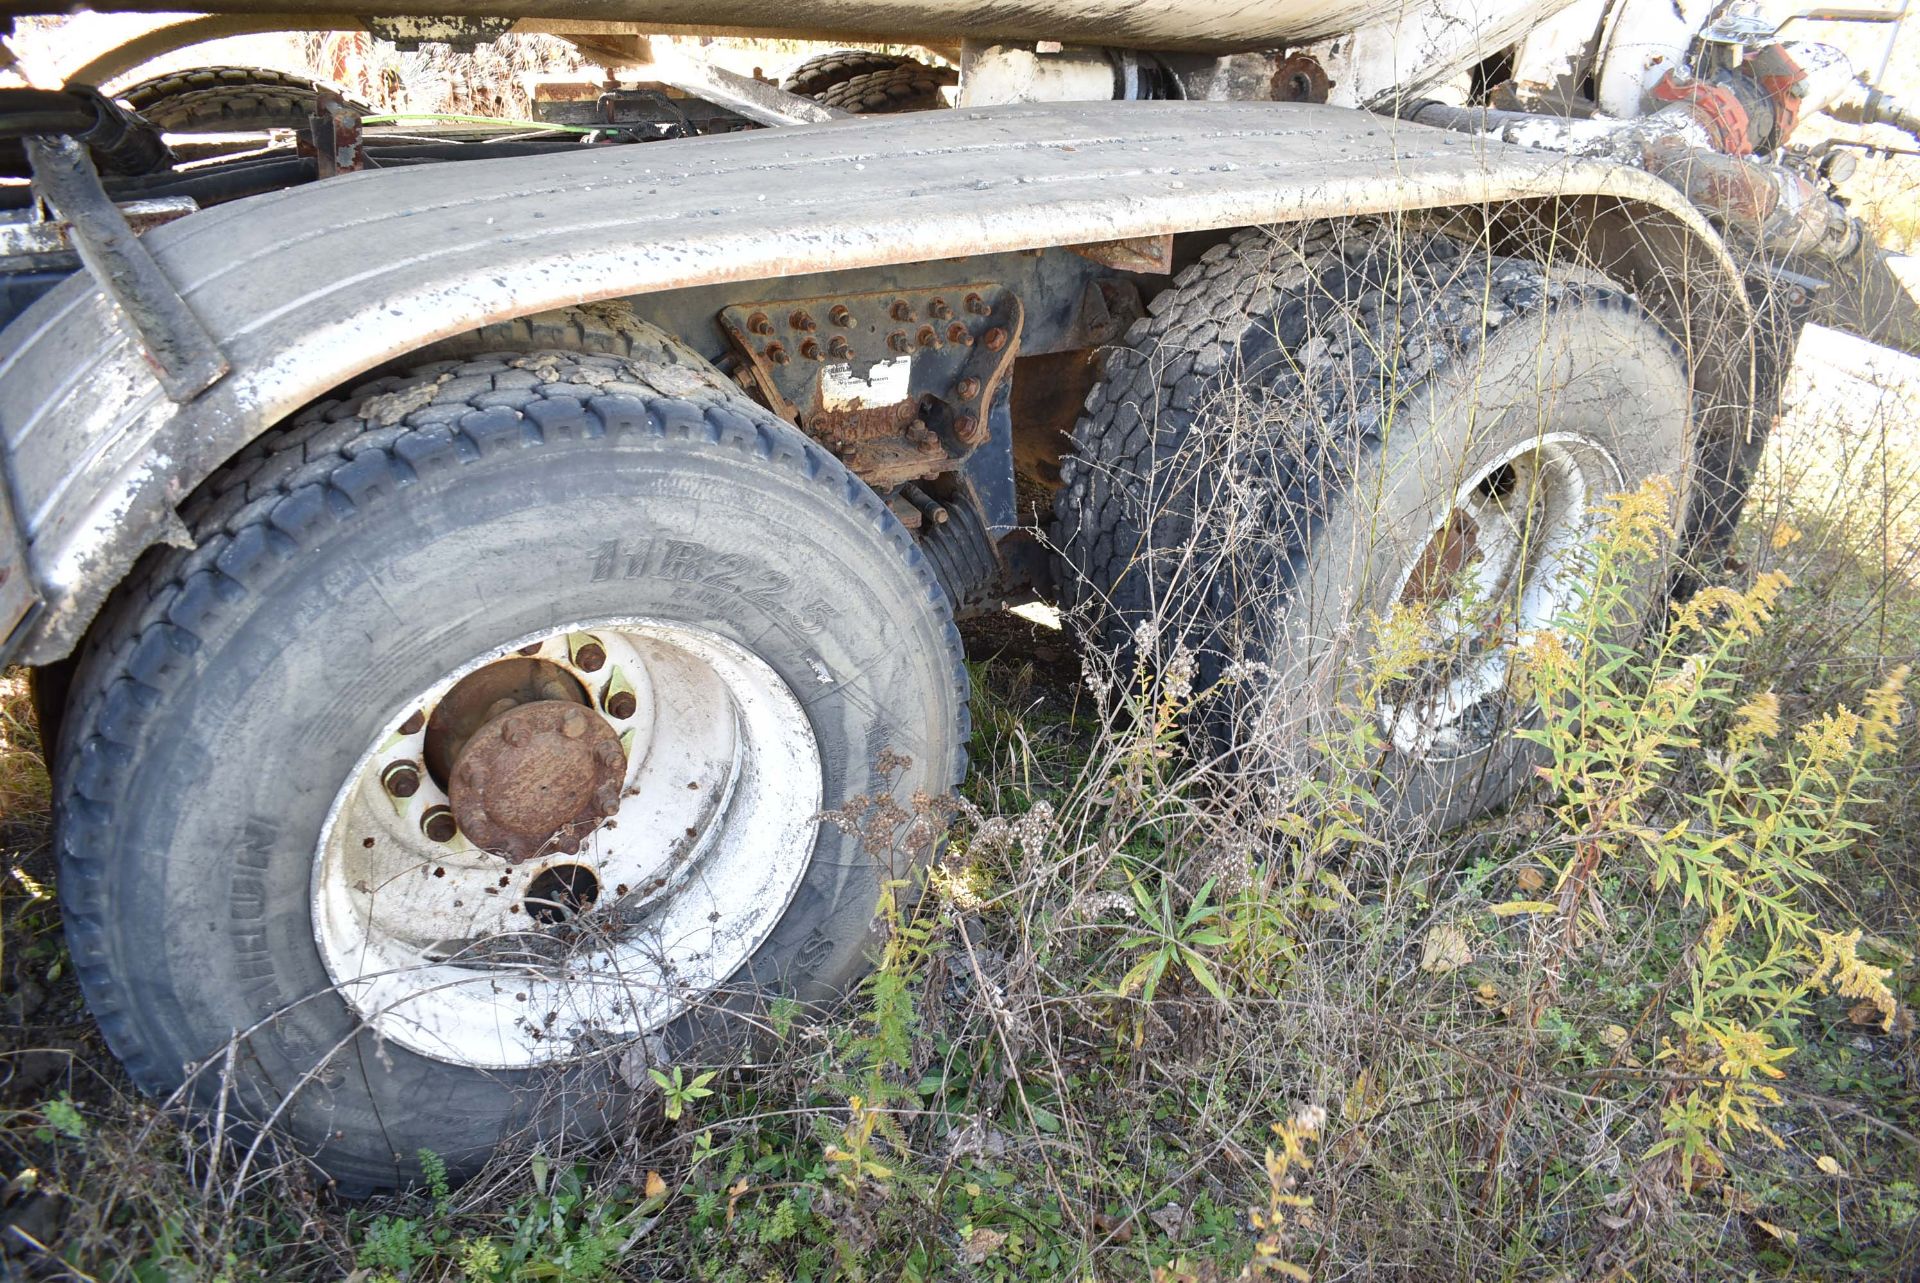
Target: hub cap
(1498,565)
(566,843)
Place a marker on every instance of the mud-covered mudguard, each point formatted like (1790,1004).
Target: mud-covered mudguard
(304,289)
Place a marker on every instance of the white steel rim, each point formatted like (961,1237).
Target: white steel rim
(1530,513)
(458,954)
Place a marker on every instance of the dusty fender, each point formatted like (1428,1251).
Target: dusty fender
(306,288)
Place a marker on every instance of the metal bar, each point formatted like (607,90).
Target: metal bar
(148,45)
(182,353)
(757,100)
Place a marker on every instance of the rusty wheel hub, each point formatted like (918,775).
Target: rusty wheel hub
(572,838)
(1497,567)
(537,778)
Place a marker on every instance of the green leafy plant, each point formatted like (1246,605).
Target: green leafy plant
(1622,723)
(678,1091)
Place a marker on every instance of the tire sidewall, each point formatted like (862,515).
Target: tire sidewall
(1587,363)
(220,807)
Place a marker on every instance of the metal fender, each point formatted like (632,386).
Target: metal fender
(306,288)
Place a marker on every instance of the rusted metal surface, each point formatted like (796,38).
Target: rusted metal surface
(896,382)
(537,779)
(485,694)
(303,289)
(1300,78)
(335,135)
(1133,254)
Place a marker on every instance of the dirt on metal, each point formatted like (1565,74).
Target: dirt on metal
(537,779)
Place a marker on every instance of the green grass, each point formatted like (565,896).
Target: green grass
(1143,1023)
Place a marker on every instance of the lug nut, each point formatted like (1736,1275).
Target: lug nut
(898,341)
(759,324)
(590,657)
(901,310)
(402,779)
(977,305)
(960,334)
(799,320)
(839,315)
(838,348)
(573,725)
(438,824)
(777,354)
(968,388)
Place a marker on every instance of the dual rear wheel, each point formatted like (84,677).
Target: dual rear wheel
(477,753)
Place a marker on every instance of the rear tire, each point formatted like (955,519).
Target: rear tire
(825,70)
(211,100)
(342,563)
(1269,464)
(911,86)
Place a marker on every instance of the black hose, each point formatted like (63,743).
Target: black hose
(119,141)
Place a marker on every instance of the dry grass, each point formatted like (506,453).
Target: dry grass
(1137,960)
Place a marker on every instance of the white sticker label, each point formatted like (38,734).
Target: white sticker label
(886,383)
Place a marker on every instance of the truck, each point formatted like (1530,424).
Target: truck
(491,586)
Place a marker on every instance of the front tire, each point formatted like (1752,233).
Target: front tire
(348,567)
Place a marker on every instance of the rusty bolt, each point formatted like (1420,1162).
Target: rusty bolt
(926,337)
(901,310)
(777,354)
(799,320)
(415,721)
(977,305)
(967,426)
(810,349)
(939,310)
(759,324)
(968,388)
(840,316)
(996,339)
(402,779)
(838,348)
(438,824)
(573,725)
(590,656)
(619,703)
(960,334)
(898,341)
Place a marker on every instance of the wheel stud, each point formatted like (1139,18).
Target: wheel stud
(590,657)
(619,703)
(438,824)
(402,779)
